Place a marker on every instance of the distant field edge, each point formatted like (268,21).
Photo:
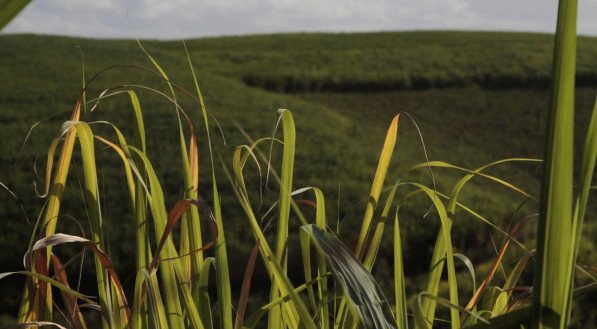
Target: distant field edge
(290,84)
(355,62)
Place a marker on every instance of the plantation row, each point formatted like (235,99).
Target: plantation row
(362,62)
(403,81)
(390,61)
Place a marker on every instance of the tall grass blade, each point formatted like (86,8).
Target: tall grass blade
(290,309)
(276,319)
(154,303)
(385,156)
(399,281)
(222,270)
(306,253)
(321,305)
(171,293)
(322,286)
(204,302)
(442,252)
(305,319)
(138,194)
(552,280)
(378,232)
(586,177)
(380,175)
(171,271)
(92,201)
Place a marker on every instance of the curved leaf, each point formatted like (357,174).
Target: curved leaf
(364,295)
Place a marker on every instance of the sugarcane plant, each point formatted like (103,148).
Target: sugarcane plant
(339,291)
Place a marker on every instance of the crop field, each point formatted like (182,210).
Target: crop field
(466,98)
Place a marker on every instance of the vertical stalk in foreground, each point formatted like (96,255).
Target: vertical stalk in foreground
(555,222)
(383,164)
(377,185)
(221,254)
(276,319)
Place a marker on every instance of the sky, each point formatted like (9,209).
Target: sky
(174,19)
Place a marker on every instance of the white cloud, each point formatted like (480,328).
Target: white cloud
(168,19)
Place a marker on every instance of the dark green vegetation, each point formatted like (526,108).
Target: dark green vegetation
(477,97)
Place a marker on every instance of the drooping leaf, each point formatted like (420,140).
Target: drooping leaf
(364,295)
(102,258)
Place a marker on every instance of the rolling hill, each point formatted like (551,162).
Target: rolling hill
(476,98)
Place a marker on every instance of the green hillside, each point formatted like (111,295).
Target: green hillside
(476,97)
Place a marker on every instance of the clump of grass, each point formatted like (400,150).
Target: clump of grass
(171,283)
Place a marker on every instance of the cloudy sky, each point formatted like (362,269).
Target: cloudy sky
(169,19)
